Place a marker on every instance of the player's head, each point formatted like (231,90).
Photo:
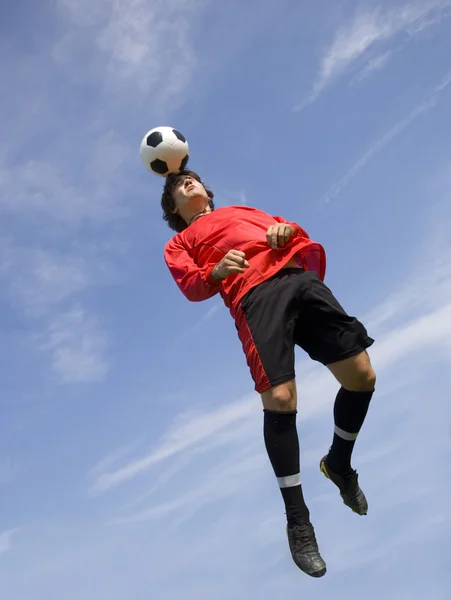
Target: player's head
(184,195)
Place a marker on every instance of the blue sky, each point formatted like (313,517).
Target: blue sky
(132,462)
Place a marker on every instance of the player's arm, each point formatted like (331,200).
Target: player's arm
(195,283)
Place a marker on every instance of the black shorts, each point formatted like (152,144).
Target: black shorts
(294,307)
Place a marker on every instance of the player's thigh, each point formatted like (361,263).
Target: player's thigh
(265,323)
(325,330)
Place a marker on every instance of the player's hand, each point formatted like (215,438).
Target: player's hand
(279,234)
(233,262)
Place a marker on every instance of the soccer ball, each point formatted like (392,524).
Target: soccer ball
(164,150)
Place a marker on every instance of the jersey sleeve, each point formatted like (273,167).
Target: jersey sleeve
(195,283)
(295,226)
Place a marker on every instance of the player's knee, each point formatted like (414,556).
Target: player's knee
(364,380)
(281,397)
(371,379)
(355,373)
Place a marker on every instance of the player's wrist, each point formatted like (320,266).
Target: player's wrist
(215,274)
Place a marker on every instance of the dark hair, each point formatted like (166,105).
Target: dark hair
(174,220)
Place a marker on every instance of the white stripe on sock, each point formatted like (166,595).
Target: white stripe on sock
(345,435)
(289,481)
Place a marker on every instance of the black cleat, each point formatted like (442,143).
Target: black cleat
(349,488)
(304,549)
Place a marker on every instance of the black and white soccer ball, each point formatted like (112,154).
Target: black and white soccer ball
(164,150)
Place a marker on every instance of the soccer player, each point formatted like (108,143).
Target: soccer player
(270,275)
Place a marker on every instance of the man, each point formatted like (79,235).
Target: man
(270,276)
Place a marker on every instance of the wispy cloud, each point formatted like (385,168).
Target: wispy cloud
(44,284)
(189,431)
(6,540)
(374,64)
(224,479)
(110,461)
(403,303)
(388,137)
(77,346)
(41,279)
(38,188)
(368,28)
(146,45)
(231,197)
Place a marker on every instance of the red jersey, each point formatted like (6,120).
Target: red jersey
(192,254)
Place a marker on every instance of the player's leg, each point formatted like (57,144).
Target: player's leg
(358,380)
(339,341)
(265,324)
(282,446)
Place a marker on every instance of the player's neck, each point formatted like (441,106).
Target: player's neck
(201,213)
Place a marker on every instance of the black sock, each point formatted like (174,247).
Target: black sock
(282,445)
(350,410)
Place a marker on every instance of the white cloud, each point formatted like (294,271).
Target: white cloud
(433,329)
(224,479)
(40,279)
(374,64)
(188,432)
(77,346)
(388,137)
(42,188)
(43,283)
(6,540)
(109,461)
(401,304)
(368,28)
(148,45)
(236,197)
(162,479)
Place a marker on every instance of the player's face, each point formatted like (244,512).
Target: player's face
(190,194)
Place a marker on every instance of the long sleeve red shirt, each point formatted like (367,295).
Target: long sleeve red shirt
(192,254)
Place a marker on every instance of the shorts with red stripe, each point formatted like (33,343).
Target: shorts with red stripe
(294,308)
